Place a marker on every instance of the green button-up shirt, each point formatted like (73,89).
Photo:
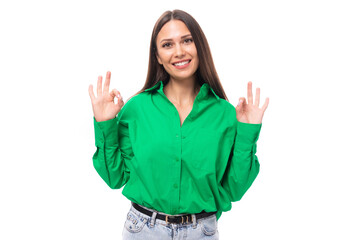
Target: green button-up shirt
(204,164)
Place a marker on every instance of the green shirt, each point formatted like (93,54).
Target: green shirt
(204,164)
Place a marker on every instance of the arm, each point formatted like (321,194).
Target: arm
(113,151)
(243,165)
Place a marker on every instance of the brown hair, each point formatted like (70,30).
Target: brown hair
(206,72)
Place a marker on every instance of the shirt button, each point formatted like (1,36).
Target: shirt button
(175,185)
(177,159)
(177,135)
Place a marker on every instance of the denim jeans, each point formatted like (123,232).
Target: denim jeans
(143,227)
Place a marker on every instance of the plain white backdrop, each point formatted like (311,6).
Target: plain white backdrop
(304,56)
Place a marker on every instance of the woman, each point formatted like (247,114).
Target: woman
(183,152)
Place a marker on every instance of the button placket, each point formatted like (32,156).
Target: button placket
(177,161)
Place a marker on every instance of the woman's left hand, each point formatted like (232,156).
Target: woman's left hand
(250,112)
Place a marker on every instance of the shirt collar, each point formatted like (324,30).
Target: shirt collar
(204,90)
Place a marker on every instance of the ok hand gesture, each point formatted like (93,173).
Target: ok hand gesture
(103,105)
(249,112)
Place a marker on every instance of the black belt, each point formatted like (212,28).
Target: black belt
(172,219)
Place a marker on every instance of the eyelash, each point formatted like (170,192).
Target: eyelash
(166,44)
(188,39)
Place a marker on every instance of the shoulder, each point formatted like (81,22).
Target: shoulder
(227,112)
(227,107)
(136,100)
(131,106)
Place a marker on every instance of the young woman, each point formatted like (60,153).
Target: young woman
(183,152)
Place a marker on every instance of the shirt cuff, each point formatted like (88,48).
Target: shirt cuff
(247,135)
(106,132)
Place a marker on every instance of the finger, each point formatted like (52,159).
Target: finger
(243,100)
(241,103)
(99,86)
(264,107)
(120,100)
(249,92)
(114,93)
(91,93)
(257,97)
(107,82)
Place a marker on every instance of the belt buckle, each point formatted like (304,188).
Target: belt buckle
(167,218)
(182,219)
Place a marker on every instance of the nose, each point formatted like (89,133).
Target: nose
(179,51)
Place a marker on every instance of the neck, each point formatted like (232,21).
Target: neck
(182,93)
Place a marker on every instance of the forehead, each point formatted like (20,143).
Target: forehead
(173,29)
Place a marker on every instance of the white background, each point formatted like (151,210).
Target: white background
(304,55)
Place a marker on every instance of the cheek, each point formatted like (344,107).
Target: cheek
(164,56)
(195,58)
(193,52)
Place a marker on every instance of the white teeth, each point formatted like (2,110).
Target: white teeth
(181,63)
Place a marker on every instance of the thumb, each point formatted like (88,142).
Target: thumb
(120,98)
(240,104)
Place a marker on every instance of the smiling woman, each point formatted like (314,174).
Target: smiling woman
(183,152)
(177,51)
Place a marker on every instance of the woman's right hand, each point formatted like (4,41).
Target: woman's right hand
(103,105)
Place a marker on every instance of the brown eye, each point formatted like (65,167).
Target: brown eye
(189,40)
(166,45)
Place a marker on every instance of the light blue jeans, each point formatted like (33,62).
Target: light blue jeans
(139,226)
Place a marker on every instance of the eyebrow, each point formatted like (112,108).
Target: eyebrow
(169,39)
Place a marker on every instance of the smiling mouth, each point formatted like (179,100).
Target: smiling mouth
(179,64)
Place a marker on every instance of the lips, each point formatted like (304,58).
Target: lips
(182,64)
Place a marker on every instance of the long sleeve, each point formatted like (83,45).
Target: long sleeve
(113,151)
(243,165)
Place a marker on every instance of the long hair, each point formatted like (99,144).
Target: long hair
(206,72)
